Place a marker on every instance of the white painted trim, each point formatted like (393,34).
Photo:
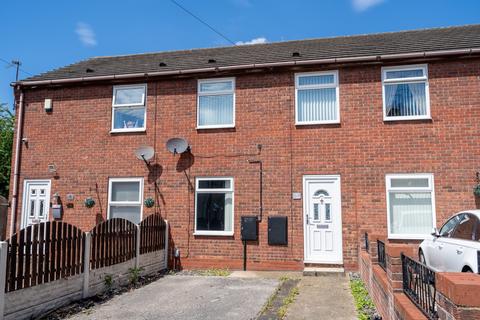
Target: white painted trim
(226,190)
(133,106)
(423,79)
(28,182)
(332,177)
(430,189)
(335,84)
(125,203)
(214,93)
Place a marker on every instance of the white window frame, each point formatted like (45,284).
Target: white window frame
(125,203)
(430,188)
(213,93)
(423,79)
(335,85)
(134,105)
(224,190)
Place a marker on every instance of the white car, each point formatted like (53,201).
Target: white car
(456,247)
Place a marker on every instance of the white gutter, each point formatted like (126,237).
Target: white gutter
(16,170)
(386,57)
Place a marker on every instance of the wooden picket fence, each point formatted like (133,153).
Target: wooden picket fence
(113,241)
(152,234)
(54,250)
(43,253)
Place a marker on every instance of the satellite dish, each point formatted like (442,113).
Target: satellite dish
(177,145)
(144,153)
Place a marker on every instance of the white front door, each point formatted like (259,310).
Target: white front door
(322,219)
(36,202)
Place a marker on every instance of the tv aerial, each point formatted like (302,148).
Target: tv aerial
(177,145)
(145,153)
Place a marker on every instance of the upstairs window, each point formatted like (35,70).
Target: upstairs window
(214,206)
(216,103)
(405,93)
(125,198)
(410,205)
(128,108)
(317,96)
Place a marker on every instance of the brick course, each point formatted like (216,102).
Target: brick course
(362,149)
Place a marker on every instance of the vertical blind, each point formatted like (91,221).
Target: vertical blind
(410,212)
(317,98)
(405,99)
(215,110)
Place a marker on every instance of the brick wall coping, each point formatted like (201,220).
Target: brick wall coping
(463,289)
(396,249)
(381,277)
(406,309)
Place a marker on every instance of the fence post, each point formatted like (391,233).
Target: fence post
(86,264)
(166,244)
(3,275)
(137,247)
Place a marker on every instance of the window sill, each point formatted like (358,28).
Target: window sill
(407,236)
(313,123)
(127,131)
(389,119)
(213,233)
(215,127)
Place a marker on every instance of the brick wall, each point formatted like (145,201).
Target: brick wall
(362,149)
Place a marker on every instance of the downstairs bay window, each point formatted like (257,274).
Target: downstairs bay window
(214,206)
(410,205)
(125,197)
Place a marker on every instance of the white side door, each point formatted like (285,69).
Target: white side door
(36,202)
(322,219)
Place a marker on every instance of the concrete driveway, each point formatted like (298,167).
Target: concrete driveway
(188,297)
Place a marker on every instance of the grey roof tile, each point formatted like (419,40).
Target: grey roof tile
(462,37)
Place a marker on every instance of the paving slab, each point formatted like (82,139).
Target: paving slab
(189,297)
(323,297)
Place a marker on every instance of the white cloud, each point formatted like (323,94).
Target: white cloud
(86,34)
(253,41)
(362,5)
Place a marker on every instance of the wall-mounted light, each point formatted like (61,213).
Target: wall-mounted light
(52,168)
(47,105)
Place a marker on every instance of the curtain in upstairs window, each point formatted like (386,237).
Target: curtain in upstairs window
(405,99)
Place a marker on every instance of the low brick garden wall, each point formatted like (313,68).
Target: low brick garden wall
(457,294)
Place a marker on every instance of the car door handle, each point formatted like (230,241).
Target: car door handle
(440,247)
(459,251)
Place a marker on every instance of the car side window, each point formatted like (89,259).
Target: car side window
(448,227)
(465,227)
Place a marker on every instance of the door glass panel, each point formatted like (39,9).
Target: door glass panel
(41,208)
(319,193)
(33,192)
(315,211)
(42,192)
(327,212)
(32,208)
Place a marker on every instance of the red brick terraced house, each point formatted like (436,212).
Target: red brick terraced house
(319,139)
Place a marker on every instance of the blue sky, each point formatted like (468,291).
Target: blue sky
(49,34)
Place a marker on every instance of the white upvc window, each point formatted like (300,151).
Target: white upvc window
(317,98)
(125,196)
(410,205)
(216,103)
(214,206)
(405,93)
(129,108)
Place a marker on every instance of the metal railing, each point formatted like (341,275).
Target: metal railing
(419,286)
(367,243)
(382,261)
(478,262)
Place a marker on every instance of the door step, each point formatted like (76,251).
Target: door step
(320,272)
